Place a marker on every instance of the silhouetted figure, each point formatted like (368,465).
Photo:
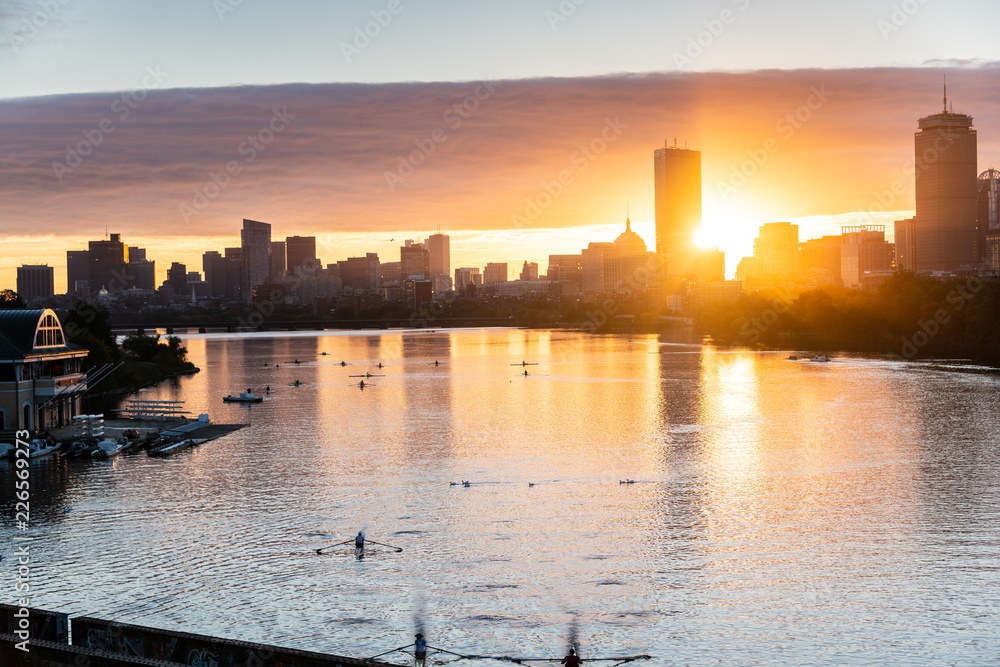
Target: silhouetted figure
(420,650)
(359,544)
(435,362)
(571,660)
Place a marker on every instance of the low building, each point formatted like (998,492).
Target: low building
(41,377)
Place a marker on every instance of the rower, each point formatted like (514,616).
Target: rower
(268,389)
(571,660)
(343,363)
(435,362)
(361,384)
(419,650)
(380,364)
(359,544)
(525,373)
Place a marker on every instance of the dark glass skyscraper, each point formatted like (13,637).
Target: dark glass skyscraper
(677,192)
(945,233)
(256,244)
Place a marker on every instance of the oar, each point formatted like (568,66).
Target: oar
(320,550)
(398,549)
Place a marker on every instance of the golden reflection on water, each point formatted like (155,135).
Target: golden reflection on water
(763,487)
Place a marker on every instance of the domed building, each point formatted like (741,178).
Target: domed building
(634,267)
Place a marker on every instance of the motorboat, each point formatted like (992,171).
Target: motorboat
(244,397)
(820,357)
(39,448)
(108,448)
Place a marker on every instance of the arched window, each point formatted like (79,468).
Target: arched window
(49,333)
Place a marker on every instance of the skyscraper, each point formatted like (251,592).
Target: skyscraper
(989,217)
(77,269)
(945,234)
(496,272)
(106,265)
(415,260)
(277,261)
(34,281)
(300,250)
(256,244)
(677,191)
(439,246)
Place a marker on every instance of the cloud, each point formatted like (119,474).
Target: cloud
(480,165)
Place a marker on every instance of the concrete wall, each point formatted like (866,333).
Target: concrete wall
(196,650)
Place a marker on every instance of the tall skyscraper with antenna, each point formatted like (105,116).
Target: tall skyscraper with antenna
(945,234)
(677,192)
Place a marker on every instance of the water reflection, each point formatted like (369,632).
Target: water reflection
(781,512)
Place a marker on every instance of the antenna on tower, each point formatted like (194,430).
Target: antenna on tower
(946,93)
(675,142)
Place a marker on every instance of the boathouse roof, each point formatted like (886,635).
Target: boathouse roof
(32,333)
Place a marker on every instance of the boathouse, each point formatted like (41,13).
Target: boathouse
(41,378)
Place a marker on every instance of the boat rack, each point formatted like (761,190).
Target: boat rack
(143,409)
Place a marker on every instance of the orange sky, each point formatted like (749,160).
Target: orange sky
(327,169)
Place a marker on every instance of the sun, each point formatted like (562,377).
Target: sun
(705,238)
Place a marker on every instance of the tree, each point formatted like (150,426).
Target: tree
(11,300)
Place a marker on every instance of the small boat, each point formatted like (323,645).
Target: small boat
(820,357)
(792,357)
(38,448)
(107,448)
(244,397)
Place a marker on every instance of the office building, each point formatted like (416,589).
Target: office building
(496,272)
(439,258)
(904,232)
(567,268)
(177,278)
(677,192)
(300,252)
(946,236)
(529,271)
(864,252)
(415,261)
(35,281)
(776,251)
(255,240)
(277,261)
(142,273)
(362,274)
(989,217)
(77,269)
(600,268)
(106,265)
(820,262)
(468,275)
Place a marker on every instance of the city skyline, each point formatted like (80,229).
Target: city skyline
(759,177)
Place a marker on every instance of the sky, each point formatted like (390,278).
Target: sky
(365,123)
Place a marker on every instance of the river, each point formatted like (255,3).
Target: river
(781,512)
